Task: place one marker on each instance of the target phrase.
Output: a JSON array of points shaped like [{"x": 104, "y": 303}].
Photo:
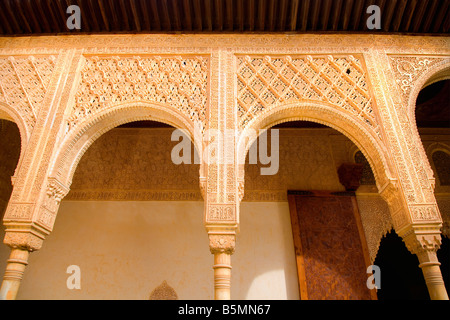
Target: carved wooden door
[{"x": 330, "y": 246}]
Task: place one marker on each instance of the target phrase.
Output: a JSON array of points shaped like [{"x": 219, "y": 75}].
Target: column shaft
[
  {"x": 433, "y": 279},
  {"x": 222, "y": 276},
  {"x": 15, "y": 268}
]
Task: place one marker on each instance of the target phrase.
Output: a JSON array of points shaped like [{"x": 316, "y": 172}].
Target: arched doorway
[
  {"x": 132, "y": 220},
  {"x": 310, "y": 155}
]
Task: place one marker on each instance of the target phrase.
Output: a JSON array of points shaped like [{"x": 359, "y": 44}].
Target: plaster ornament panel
[
  {"x": 19, "y": 211},
  {"x": 264, "y": 81},
  {"x": 425, "y": 212},
  {"x": 376, "y": 221},
  {"x": 50, "y": 203},
  {"x": 24, "y": 81},
  {"x": 180, "y": 82},
  {"x": 407, "y": 69},
  {"x": 163, "y": 292},
  {"x": 221, "y": 213}
]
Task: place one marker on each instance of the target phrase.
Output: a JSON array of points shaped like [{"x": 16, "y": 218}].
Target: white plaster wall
[
  {"x": 264, "y": 265},
  {"x": 126, "y": 249}
]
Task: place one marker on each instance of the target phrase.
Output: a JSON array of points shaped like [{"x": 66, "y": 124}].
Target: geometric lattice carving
[
  {"x": 339, "y": 80},
  {"x": 24, "y": 82},
  {"x": 163, "y": 292},
  {"x": 180, "y": 82},
  {"x": 441, "y": 162}
]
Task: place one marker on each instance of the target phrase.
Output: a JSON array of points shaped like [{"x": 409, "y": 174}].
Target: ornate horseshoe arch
[
  {"x": 80, "y": 138},
  {"x": 328, "y": 115}
]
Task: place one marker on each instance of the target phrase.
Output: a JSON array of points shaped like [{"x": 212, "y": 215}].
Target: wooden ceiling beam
[
  {"x": 38, "y": 8},
  {"x": 93, "y": 16},
  {"x": 326, "y": 11},
  {"x": 430, "y": 15},
  {"x": 187, "y": 14},
  {"x": 240, "y": 15},
  {"x": 85, "y": 21},
  {"x": 98, "y": 16},
  {"x": 386, "y": 21},
  {"x": 282, "y": 14},
  {"x": 304, "y": 15},
  {"x": 272, "y": 13},
  {"x": 399, "y": 15},
  {"x": 12, "y": 17},
  {"x": 418, "y": 15},
  {"x": 336, "y": 17},
  {"x": 408, "y": 15},
  {"x": 208, "y": 16},
  {"x": 6, "y": 26},
  {"x": 156, "y": 18},
  {"x": 166, "y": 21},
  {"x": 147, "y": 26},
  {"x": 293, "y": 16},
  {"x": 446, "y": 24},
  {"x": 134, "y": 13},
  {"x": 348, "y": 9},
  {"x": 218, "y": 6},
  {"x": 198, "y": 15},
  {"x": 61, "y": 15},
  {"x": 125, "y": 19},
  {"x": 229, "y": 15},
  {"x": 251, "y": 15},
  {"x": 113, "y": 13},
  {"x": 261, "y": 15},
  {"x": 104, "y": 14},
  {"x": 438, "y": 22},
  {"x": 176, "y": 20},
  {"x": 358, "y": 10},
  {"x": 315, "y": 14}
]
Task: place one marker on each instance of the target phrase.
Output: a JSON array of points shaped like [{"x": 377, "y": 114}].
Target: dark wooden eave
[{"x": 48, "y": 17}]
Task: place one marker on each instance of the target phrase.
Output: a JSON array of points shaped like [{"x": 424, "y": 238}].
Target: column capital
[
  {"x": 222, "y": 242},
  {"x": 423, "y": 239},
  {"x": 26, "y": 237}
]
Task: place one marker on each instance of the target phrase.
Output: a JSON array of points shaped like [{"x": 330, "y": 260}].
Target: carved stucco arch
[
  {"x": 331, "y": 116},
  {"x": 10, "y": 114},
  {"x": 440, "y": 71},
  {"x": 79, "y": 139}
]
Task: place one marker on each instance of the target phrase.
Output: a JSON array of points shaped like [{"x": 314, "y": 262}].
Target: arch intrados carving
[
  {"x": 326, "y": 114},
  {"x": 77, "y": 142},
  {"x": 8, "y": 113}
]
